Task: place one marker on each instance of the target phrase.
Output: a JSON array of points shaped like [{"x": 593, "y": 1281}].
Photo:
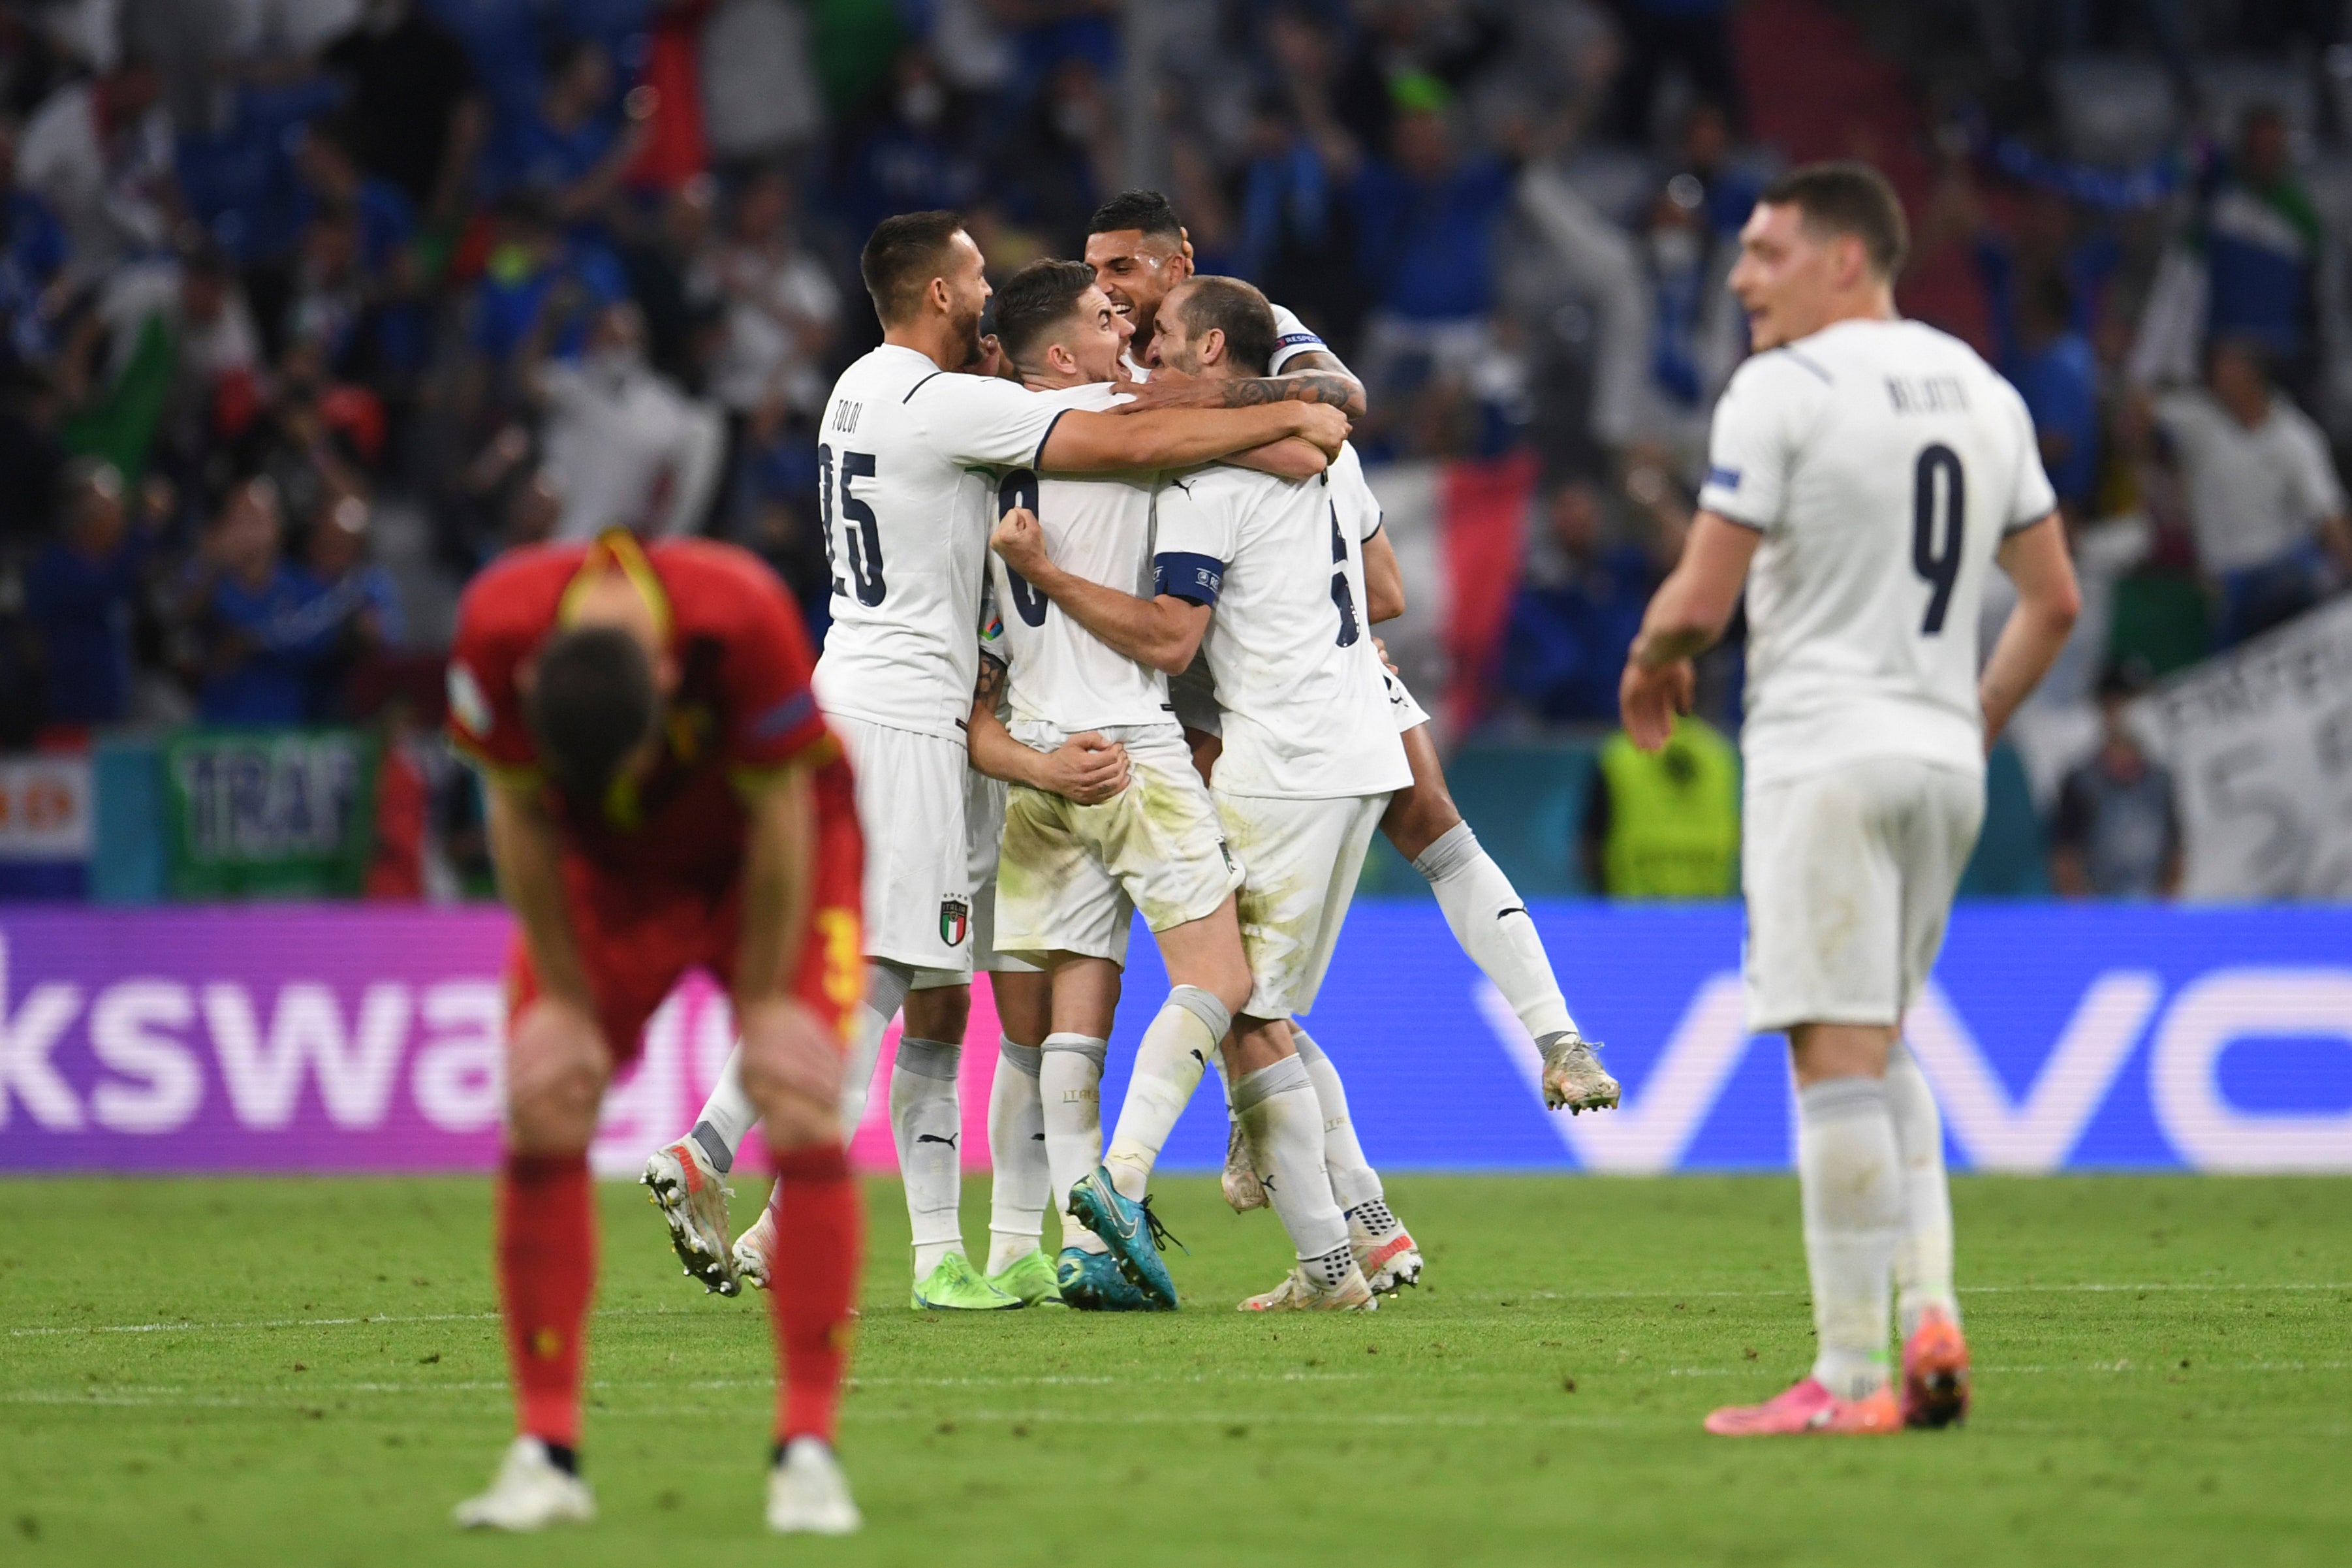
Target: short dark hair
[
  {"x": 1848, "y": 197},
  {"x": 1146, "y": 210},
  {"x": 901, "y": 258},
  {"x": 1241, "y": 312},
  {"x": 1036, "y": 300},
  {"x": 591, "y": 703}
]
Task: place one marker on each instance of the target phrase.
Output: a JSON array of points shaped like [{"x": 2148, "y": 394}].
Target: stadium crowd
[{"x": 310, "y": 308}]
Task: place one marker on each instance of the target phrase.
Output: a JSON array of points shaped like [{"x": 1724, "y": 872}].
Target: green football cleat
[
  {"x": 1131, "y": 1231},
  {"x": 1030, "y": 1278},
  {"x": 1091, "y": 1283},
  {"x": 955, "y": 1286}
]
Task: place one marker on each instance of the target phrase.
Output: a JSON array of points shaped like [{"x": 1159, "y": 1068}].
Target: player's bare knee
[
  {"x": 785, "y": 1073},
  {"x": 1419, "y": 816},
  {"x": 793, "y": 1120},
  {"x": 938, "y": 1014},
  {"x": 1257, "y": 1043},
  {"x": 552, "y": 1104}
]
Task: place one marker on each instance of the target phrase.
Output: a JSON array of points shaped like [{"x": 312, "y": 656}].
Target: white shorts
[
  {"x": 983, "y": 825},
  {"x": 1849, "y": 875},
  {"x": 1299, "y": 859},
  {"x": 1072, "y": 875},
  {"x": 1409, "y": 714},
  {"x": 919, "y": 889}
]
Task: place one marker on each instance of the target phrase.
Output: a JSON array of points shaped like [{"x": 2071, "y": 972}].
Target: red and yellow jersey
[{"x": 743, "y": 704}]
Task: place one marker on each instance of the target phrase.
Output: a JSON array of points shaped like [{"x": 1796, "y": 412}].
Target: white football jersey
[
  {"x": 1305, "y": 712},
  {"x": 1097, "y": 526},
  {"x": 906, "y": 466},
  {"x": 1883, "y": 462},
  {"x": 1359, "y": 508}
]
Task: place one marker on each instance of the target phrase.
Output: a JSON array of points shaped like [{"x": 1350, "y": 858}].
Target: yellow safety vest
[{"x": 1674, "y": 817}]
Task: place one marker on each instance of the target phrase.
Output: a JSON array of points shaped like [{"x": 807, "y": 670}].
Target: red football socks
[
  {"x": 813, "y": 1285},
  {"x": 547, "y": 1272}
]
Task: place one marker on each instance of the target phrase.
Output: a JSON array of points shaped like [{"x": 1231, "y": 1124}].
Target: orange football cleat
[{"x": 1934, "y": 1373}]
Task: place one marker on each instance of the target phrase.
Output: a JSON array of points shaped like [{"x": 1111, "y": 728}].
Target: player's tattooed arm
[
  {"x": 1086, "y": 768},
  {"x": 1162, "y": 632},
  {"x": 1287, "y": 459},
  {"x": 1326, "y": 382}
]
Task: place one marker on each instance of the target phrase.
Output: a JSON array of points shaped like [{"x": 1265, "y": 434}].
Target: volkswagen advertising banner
[{"x": 350, "y": 1038}]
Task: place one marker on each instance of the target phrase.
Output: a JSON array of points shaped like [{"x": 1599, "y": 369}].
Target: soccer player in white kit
[
  {"x": 1865, "y": 475},
  {"x": 906, "y": 500},
  {"x": 1139, "y": 252},
  {"x": 1072, "y": 875},
  {"x": 1258, "y": 573}
]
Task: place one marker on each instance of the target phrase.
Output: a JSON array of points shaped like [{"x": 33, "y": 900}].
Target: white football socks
[
  {"x": 1923, "y": 1258},
  {"x": 1490, "y": 921},
  {"x": 1853, "y": 1217},
  {"x": 1353, "y": 1180},
  {"x": 887, "y": 985},
  {"x": 1019, "y": 1182},
  {"x": 1175, "y": 1051},
  {"x": 1277, "y": 1108},
  {"x": 1069, "y": 1084},
  {"x": 728, "y": 1116},
  {"x": 927, "y": 1124}
]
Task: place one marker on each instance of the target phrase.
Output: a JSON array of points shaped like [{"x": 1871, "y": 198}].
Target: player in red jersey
[{"x": 664, "y": 796}]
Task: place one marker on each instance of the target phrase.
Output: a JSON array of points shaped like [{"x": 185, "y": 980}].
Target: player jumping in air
[
  {"x": 1865, "y": 474},
  {"x": 664, "y": 796},
  {"x": 906, "y": 454}
]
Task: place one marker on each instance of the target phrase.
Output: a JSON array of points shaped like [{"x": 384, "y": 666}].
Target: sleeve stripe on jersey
[
  {"x": 1037, "y": 461},
  {"x": 920, "y": 385},
  {"x": 1827, "y": 380},
  {"x": 1298, "y": 341}
]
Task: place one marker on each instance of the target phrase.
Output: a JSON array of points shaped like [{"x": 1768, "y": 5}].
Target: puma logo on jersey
[{"x": 934, "y": 1138}]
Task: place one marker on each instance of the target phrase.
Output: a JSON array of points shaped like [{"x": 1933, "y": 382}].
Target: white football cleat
[
  {"x": 808, "y": 1494},
  {"x": 529, "y": 1492},
  {"x": 1243, "y": 1189},
  {"x": 1297, "y": 1293},
  {"x": 752, "y": 1247},
  {"x": 1573, "y": 1079},
  {"x": 692, "y": 1197},
  {"x": 1384, "y": 1249}
]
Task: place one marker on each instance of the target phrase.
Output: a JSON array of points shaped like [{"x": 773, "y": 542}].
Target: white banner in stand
[{"x": 2260, "y": 744}]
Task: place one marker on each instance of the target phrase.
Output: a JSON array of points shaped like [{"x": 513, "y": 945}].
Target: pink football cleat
[{"x": 1807, "y": 1408}]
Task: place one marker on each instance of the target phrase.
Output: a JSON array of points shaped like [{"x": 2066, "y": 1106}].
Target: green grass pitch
[{"x": 2165, "y": 1376}]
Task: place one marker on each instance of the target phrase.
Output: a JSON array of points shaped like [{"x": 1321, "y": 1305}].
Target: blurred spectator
[
  {"x": 1427, "y": 220},
  {"x": 2117, "y": 831},
  {"x": 914, "y": 146},
  {"x": 1575, "y": 614},
  {"x": 760, "y": 99},
  {"x": 82, "y": 592},
  {"x": 2268, "y": 513},
  {"x": 2052, "y": 364},
  {"x": 570, "y": 153},
  {"x": 415, "y": 118},
  {"x": 1061, "y": 158},
  {"x": 1297, "y": 228},
  {"x": 260, "y": 647},
  {"x": 1691, "y": 36},
  {"x": 782, "y": 307},
  {"x": 625, "y": 448},
  {"x": 535, "y": 277},
  {"x": 1665, "y": 824},
  {"x": 663, "y": 254},
  {"x": 1727, "y": 191},
  {"x": 2263, "y": 239},
  {"x": 32, "y": 257},
  {"x": 99, "y": 152}
]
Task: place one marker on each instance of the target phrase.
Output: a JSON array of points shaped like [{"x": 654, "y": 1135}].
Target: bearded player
[
  {"x": 1865, "y": 475},
  {"x": 662, "y": 796},
  {"x": 1139, "y": 253}
]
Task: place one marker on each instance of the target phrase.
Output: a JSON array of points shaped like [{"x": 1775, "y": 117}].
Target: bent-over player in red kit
[{"x": 664, "y": 796}]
